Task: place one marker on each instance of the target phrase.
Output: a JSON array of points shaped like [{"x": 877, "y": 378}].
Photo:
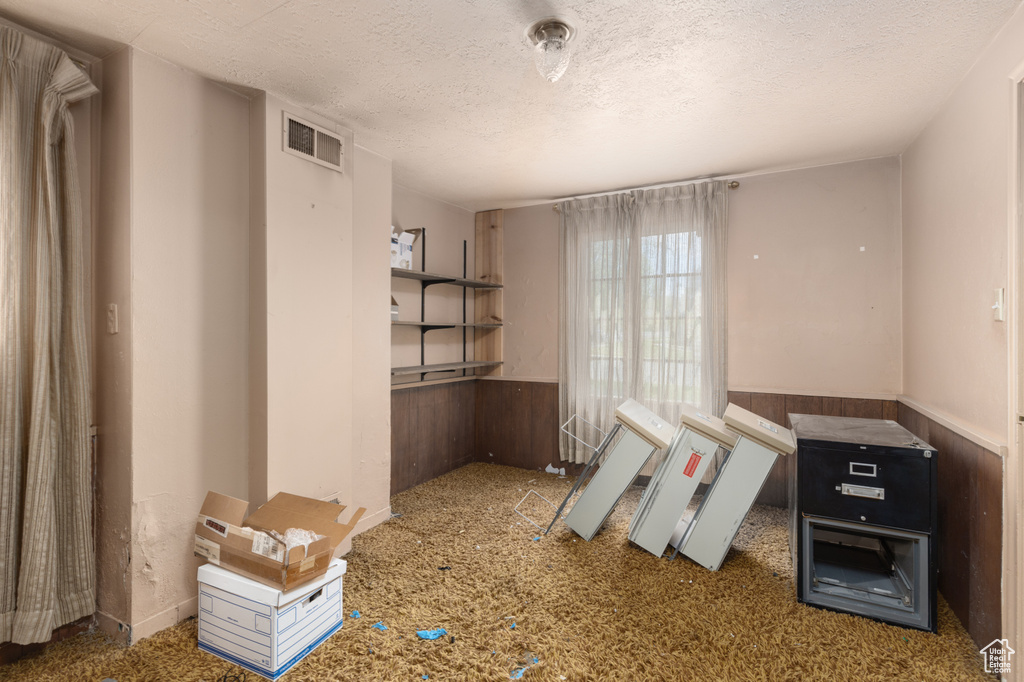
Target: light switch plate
[{"x": 998, "y": 313}]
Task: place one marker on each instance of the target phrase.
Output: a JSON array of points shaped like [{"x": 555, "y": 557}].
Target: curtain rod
[{"x": 732, "y": 184}]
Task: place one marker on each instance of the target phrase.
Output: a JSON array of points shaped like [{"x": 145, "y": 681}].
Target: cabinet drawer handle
[
  {"x": 861, "y": 469},
  {"x": 864, "y": 491}
]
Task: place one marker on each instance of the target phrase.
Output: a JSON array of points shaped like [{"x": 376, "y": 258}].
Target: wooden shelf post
[{"x": 487, "y": 345}]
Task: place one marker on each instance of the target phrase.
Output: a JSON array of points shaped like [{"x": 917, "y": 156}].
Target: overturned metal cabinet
[
  {"x": 706, "y": 537},
  {"x": 643, "y": 433},
  {"x": 675, "y": 481}
]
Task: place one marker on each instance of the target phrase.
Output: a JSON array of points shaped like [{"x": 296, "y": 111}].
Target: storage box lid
[
  {"x": 229, "y": 581},
  {"x": 645, "y": 423},
  {"x": 760, "y": 430},
  {"x": 285, "y": 511},
  {"x": 707, "y": 425}
]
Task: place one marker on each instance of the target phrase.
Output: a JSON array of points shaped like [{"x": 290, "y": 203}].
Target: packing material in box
[
  {"x": 401, "y": 248},
  {"x": 261, "y": 628},
  {"x": 227, "y": 538}
]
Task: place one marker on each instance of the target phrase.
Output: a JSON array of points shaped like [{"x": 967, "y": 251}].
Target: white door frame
[{"x": 1013, "y": 465}]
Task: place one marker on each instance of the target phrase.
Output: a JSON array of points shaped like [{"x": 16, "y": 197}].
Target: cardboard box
[
  {"x": 401, "y": 248},
  {"x": 394, "y": 309},
  {"x": 261, "y": 628},
  {"x": 225, "y": 537}
]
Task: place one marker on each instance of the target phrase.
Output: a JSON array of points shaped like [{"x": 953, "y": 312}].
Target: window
[
  {"x": 642, "y": 288},
  {"x": 667, "y": 323}
]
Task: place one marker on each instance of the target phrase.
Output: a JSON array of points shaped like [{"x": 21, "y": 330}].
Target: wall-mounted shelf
[
  {"x": 427, "y": 326},
  {"x": 487, "y": 286},
  {"x": 443, "y": 367},
  {"x": 429, "y": 278}
]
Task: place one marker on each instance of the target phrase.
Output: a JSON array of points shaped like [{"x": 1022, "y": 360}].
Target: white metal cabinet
[
  {"x": 643, "y": 433},
  {"x": 707, "y": 537},
  {"x": 676, "y": 478}
]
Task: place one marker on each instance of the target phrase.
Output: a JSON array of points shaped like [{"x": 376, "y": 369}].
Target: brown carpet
[{"x": 561, "y": 608}]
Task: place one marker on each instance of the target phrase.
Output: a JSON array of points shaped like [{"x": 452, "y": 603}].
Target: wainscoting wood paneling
[
  {"x": 970, "y": 525},
  {"x": 740, "y": 399},
  {"x": 803, "y": 404},
  {"x": 517, "y": 423},
  {"x": 955, "y": 484},
  {"x": 862, "y": 408},
  {"x": 770, "y": 406},
  {"x": 432, "y": 432},
  {"x": 402, "y": 430},
  {"x": 986, "y": 547},
  {"x": 830, "y": 407},
  {"x": 438, "y": 428}
]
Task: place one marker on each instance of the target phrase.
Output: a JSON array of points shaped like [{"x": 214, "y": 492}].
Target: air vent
[{"x": 313, "y": 143}]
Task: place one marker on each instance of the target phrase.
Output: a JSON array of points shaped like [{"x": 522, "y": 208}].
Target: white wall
[
  {"x": 447, "y": 226},
  {"x": 258, "y": 402},
  {"x": 956, "y": 215},
  {"x": 189, "y": 260},
  {"x": 813, "y": 313},
  {"x": 370, "y": 331},
  {"x": 957, "y": 221},
  {"x": 112, "y": 411},
  {"x": 320, "y": 424},
  {"x": 172, "y": 250},
  {"x": 308, "y": 317}
]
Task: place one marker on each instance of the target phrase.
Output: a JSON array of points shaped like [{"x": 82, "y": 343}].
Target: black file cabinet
[{"x": 863, "y": 519}]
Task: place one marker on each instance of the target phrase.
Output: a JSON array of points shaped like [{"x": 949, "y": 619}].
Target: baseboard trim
[
  {"x": 365, "y": 523},
  {"x": 165, "y": 619},
  {"x": 371, "y": 520},
  {"x": 117, "y": 630}
]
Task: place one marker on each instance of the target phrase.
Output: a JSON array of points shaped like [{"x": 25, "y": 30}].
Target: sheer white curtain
[
  {"x": 47, "y": 564},
  {"x": 642, "y": 287}
]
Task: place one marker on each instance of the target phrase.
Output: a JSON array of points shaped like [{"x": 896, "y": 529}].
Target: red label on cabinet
[{"x": 691, "y": 466}]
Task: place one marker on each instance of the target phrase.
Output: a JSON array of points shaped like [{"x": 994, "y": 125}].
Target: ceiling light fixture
[{"x": 551, "y": 52}]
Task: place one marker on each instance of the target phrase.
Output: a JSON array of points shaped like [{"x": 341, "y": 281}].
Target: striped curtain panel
[
  {"x": 642, "y": 306},
  {"x": 47, "y": 565}
]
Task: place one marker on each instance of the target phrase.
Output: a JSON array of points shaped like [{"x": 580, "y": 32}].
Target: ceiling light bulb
[
  {"x": 551, "y": 50},
  {"x": 552, "y": 58}
]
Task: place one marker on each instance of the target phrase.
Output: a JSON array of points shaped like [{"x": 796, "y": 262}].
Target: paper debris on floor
[
  {"x": 525, "y": 662},
  {"x": 431, "y": 634}
]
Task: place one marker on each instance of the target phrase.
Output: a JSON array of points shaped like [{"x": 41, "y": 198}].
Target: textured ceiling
[{"x": 656, "y": 91}]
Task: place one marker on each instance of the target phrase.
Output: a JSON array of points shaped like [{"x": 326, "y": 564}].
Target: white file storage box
[{"x": 261, "y": 628}]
